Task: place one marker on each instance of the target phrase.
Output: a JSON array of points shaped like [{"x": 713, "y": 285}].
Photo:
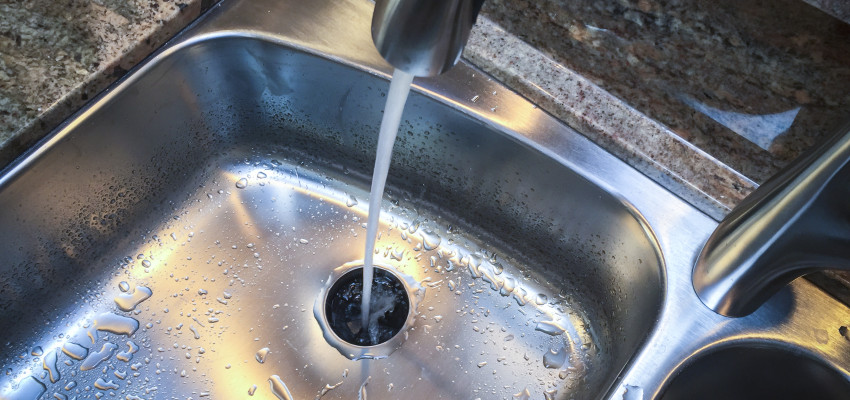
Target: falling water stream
[{"x": 399, "y": 88}]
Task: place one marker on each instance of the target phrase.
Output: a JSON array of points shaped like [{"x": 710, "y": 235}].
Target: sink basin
[
  {"x": 174, "y": 238},
  {"x": 207, "y": 198},
  {"x": 757, "y": 372}
]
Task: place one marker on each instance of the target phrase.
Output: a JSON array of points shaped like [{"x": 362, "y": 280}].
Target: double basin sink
[{"x": 170, "y": 240}]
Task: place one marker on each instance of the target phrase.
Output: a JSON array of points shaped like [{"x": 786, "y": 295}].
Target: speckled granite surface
[
  {"x": 624, "y": 131},
  {"x": 753, "y": 83},
  {"x": 55, "y": 55}
]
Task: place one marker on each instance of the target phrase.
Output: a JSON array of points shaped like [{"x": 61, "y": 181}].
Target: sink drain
[
  {"x": 392, "y": 309},
  {"x": 389, "y": 308}
]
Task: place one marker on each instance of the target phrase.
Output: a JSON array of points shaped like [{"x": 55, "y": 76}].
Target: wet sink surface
[
  {"x": 228, "y": 179},
  {"x": 172, "y": 239}
]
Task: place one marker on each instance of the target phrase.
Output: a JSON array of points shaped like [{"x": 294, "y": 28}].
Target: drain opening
[{"x": 389, "y": 307}]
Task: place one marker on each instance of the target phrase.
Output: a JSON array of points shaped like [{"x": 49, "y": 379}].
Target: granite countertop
[
  {"x": 751, "y": 83},
  {"x": 707, "y": 97},
  {"x": 56, "y": 55}
]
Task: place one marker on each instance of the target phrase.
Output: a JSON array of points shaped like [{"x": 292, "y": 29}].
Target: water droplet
[
  {"x": 261, "y": 355},
  {"x": 102, "y": 384},
  {"x": 127, "y": 355},
  {"x": 253, "y": 388},
  {"x": 227, "y": 295},
  {"x": 146, "y": 263},
  {"x": 328, "y": 387},
  {"x": 116, "y": 324},
  {"x": 549, "y": 328},
  {"x": 75, "y": 351},
  {"x": 279, "y": 388},
  {"x": 555, "y": 358},
  {"x": 124, "y": 286},
  {"x": 430, "y": 240},
  {"x": 821, "y": 336},
  {"x": 37, "y": 351},
  {"x": 523, "y": 395},
  {"x": 98, "y": 357},
  {"x": 261, "y": 175},
  {"x": 508, "y": 286},
  {"x": 633, "y": 393},
  {"x": 129, "y": 301},
  {"x": 475, "y": 98},
  {"x": 541, "y": 299},
  {"x": 49, "y": 365},
  {"x": 351, "y": 201},
  {"x": 550, "y": 394},
  {"x": 242, "y": 183}
]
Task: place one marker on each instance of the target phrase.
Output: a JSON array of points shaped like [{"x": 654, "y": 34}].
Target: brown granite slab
[
  {"x": 56, "y": 55},
  {"x": 755, "y": 65},
  {"x": 607, "y": 120}
]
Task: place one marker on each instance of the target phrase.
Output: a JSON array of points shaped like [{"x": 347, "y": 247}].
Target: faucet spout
[
  {"x": 797, "y": 222},
  {"x": 423, "y": 37}
]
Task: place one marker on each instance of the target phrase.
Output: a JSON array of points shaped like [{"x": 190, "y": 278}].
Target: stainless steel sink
[
  {"x": 757, "y": 373},
  {"x": 172, "y": 238}
]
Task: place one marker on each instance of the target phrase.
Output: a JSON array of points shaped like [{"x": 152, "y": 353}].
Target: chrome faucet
[
  {"x": 423, "y": 37},
  {"x": 797, "y": 222}
]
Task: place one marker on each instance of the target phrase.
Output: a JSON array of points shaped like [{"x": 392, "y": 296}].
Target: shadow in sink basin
[
  {"x": 757, "y": 373},
  {"x": 536, "y": 279}
]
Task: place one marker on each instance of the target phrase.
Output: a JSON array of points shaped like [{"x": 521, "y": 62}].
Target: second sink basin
[{"x": 757, "y": 372}]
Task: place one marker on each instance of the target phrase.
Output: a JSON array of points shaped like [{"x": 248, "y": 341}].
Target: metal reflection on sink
[
  {"x": 213, "y": 192},
  {"x": 213, "y": 189}
]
